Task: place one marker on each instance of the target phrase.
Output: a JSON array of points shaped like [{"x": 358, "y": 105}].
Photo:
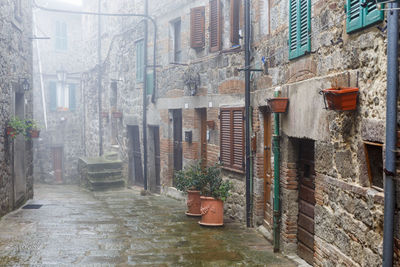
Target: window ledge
[{"x": 233, "y": 170}]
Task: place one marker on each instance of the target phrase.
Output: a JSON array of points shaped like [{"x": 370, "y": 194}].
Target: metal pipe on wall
[
  {"x": 276, "y": 147},
  {"x": 391, "y": 127},
  {"x": 99, "y": 78},
  {"x": 146, "y": 40},
  {"x": 247, "y": 108}
]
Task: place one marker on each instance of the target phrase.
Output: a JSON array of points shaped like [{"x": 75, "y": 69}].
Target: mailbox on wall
[{"x": 188, "y": 137}]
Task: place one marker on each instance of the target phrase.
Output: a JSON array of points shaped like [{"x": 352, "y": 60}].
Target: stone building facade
[
  {"x": 58, "y": 66},
  {"x": 16, "y": 156},
  {"x": 331, "y": 181}
]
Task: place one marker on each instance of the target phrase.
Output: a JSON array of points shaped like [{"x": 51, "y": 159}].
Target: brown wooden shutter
[
  {"x": 225, "y": 137},
  {"x": 215, "y": 25},
  {"x": 232, "y": 138},
  {"x": 235, "y": 19},
  {"x": 197, "y": 25}
]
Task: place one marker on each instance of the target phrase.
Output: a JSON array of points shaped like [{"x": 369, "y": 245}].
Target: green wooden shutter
[
  {"x": 150, "y": 83},
  {"x": 304, "y": 27},
  {"x": 139, "y": 61},
  {"x": 354, "y": 15},
  {"x": 53, "y": 96},
  {"x": 72, "y": 97},
  {"x": 299, "y": 28},
  {"x": 359, "y": 17},
  {"x": 372, "y": 14},
  {"x": 293, "y": 29}
]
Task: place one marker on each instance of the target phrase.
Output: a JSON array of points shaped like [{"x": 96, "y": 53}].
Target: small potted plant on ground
[
  {"x": 191, "y": 180},
  {"x": 215, "y": 193}
]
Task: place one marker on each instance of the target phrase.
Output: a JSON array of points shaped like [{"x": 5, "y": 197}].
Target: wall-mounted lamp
[{"x": 23, "y": 82}]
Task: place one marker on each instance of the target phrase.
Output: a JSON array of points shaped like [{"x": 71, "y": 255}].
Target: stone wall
[
  {"x": 349, "y": 211},
  {"x": 64, "y": 125},
  {"x": 15, "y": 66}
]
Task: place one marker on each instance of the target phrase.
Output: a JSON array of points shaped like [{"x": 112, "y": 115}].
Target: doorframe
[
  {"x": 267, "y": 166},
  {"x": 52, "y": 149},
  {"x": 131, "y": 156}
]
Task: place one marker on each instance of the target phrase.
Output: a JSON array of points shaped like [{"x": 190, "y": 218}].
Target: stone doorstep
[{"x": 294, "y": 257}]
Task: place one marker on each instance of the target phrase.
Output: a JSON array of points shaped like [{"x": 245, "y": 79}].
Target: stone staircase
[{"x": 102, "y": 173}]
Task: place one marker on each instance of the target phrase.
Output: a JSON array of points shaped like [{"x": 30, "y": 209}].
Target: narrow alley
[{"x": 77, "y": 227}]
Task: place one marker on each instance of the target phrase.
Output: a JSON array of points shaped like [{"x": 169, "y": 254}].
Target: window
[
  {"x": 215, "y": 25},
  {"x": 299, "y": 28},
  {"x": 374, "y": 159},
  {"x": 61, "y": 36},
  {"x": 140, "y": 61},
  {"x": 232, "y": 138},
  {"x": 177, "y": 41},
  {"x": 235, "y": 21},
  {"x": 361, "y": 15},
  {"x": 62, "y": 97},
  {"x": 197, "y": 25},
  {"x": 150, "y": 83}
]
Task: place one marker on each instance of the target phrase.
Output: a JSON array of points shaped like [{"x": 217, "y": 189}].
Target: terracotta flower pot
[
  {"x": 341, "y": 98},
  {"x": 193, "y": 203},
  {"x": 10, "y": 130},
  {"x": 212, "y": 211},
  {"x": 278, "y": 104},
  {"x": 34, "y": 133}
]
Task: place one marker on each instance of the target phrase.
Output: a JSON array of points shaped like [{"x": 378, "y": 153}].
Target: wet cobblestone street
[{"x": 76, "y": 227}]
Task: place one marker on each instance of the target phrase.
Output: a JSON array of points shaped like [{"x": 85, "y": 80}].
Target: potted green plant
[
  {"x": 14, "y": 127},
  {"x": 214, "y": 193},
  {"x": 32, "y": 129},
  {"x": 191, "y": 180}
]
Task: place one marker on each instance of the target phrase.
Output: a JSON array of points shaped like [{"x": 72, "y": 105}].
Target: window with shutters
[
  {"x": 140, "y": 61},
  {"x": 235, "y": 21},
  {"x": 177, "y": 41},
  {"x": 215, "y": 25},
  {"x": 150, "y": 83},
  {"x": 62, "y": 96},
  {"x": 361, "y": 15},
  {"x": 61, "y": 40},
  {"x": 299, "y": 28},
  {"x": 197, "y": 26},
  {"x": 232, "y": 138}
]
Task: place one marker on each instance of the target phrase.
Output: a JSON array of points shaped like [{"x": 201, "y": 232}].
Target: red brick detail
[
  {"x": 232, "y": 87},
  {"x": 191, "y": 151},
  {"x": 175, "y": 93},
  {"x": 212, "y": 154},
  {"x": 166, "y": 163},
  {"x": 259, "y": 165},
  {"x": 289, "y": 176}
]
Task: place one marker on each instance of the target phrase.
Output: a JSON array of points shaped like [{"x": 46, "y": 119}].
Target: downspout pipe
[
  {"x": 391, "y": 127},
  {"x": 247, "y": 108},
  {"x": 146, "y": 40},
  {"x": 99, "y": 78},
  {"x": 276, "y": 139}
]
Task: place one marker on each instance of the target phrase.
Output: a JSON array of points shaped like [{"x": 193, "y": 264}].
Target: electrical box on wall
[{"x": 188, "y": 137}]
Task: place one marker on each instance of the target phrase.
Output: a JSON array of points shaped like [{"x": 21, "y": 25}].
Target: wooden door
[
  {"x": 58, "y": 164},
  {"x": 156, "y": 139},
  {"x": 305, "y": 230},
  {"x": 177, "y": 132},
  {"x": 135, "y": 161},
  {"x": 267, "y": 167},
  {"x": 203, "y": 136}
]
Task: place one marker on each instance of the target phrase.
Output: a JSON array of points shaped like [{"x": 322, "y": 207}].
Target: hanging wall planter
[
  {"x": 34, "y": 133},
  {"x": 278, "y": 104},
  {"x": 340, "y": 98}
]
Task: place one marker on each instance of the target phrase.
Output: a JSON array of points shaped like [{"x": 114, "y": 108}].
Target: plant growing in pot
[
  {"x": 15, "y": 126},
  {"x": 191, "y": 180},
  {"x": 215, "y": 193},
  {"x": 32, "y": 129}
]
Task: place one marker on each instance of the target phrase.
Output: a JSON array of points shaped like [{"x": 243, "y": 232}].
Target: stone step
[
  {"x": 104, "y": 174},
  {"x": 105, "y": 179},
  {"x": 104, "y": 166},
  {"x": 103, "y": 186}
]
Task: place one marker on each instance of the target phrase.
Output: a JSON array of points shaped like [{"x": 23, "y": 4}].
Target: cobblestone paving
[{"x": 76, "y": 227}]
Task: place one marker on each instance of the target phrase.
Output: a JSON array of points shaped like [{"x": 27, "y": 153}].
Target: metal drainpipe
[
  {"x": 247, "y": 107},
  {"x": 391, "y": 127},
  {"x": 99, "y": 89},
  {"x": 277, "y": 155},
  {"x": 146, "y": 12}
]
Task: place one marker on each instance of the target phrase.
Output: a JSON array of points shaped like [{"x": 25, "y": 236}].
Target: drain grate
[{"x": 32, "y": 207}]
